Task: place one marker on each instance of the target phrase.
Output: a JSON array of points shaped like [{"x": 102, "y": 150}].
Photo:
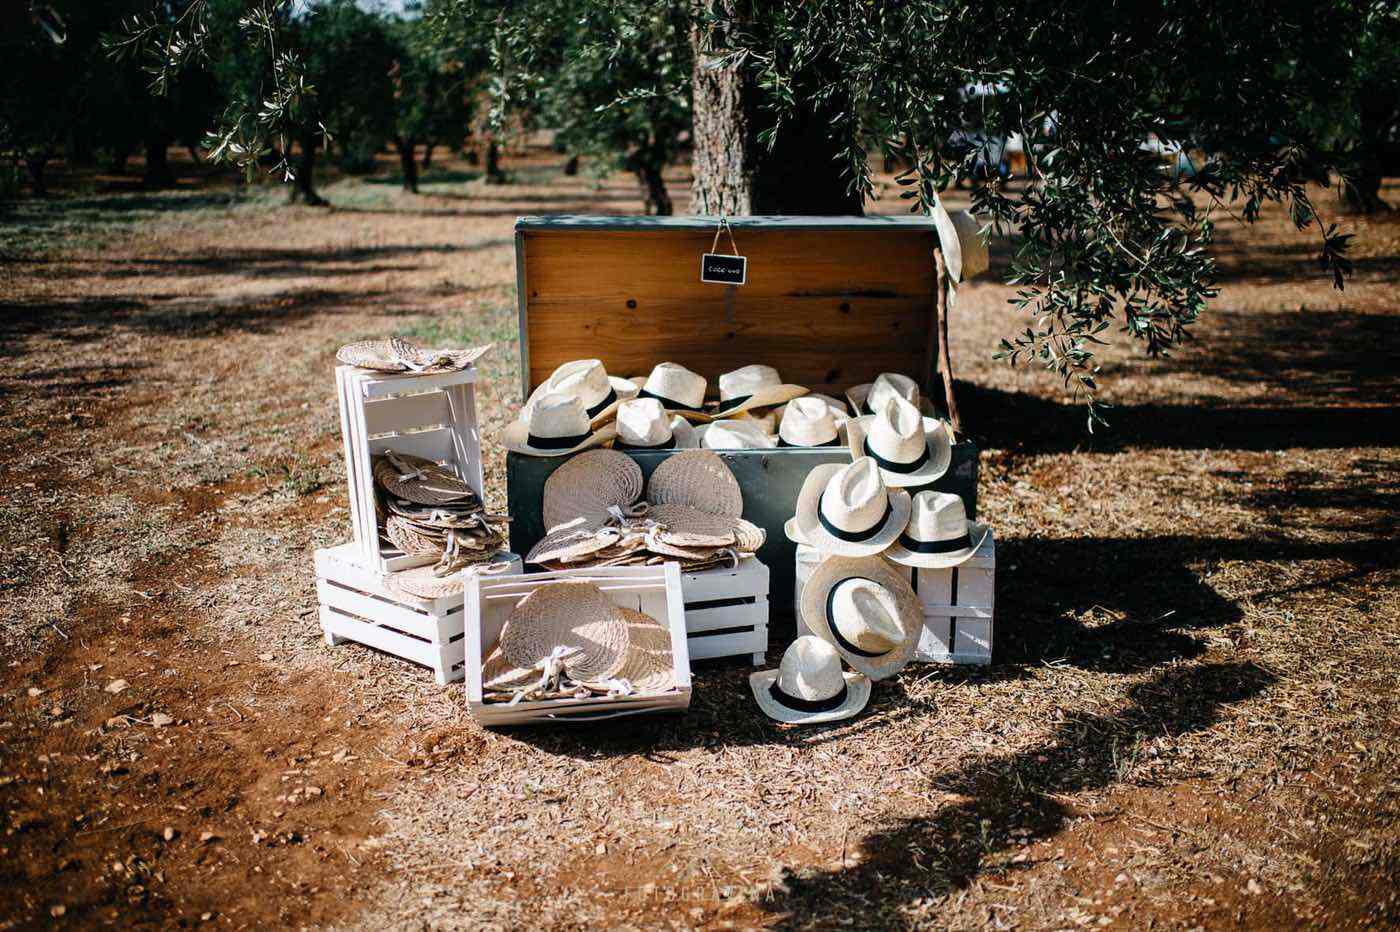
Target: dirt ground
[{"x": 1191, "y": 720}]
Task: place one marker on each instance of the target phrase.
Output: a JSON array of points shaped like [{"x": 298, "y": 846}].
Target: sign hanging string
[{"x": 724, "y": 227}]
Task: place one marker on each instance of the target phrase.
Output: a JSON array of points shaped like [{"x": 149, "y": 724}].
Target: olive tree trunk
[{"x": 407, "y": 163}]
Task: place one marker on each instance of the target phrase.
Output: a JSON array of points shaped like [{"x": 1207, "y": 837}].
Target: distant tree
[
  {"x": 431, "y": 103},
  {"x": 42, "y": 96},
  {"x": 1366, "y": 119}
]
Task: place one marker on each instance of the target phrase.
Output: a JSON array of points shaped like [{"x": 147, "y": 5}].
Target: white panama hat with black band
[
  {"x": 587, "y": 380},
  {"x": 912, "y": 450},
  {"x": 939, "y": 534},
  {"x": 677, "y": 388},
  {"x": 848, "y": 510},
  {"x": 872, "y": 397},
  {"x": 750, "y": 387},
  {"x": 867, "y": 610},
  {"x": 643, "y": 424},
  {"x": 558, "y": 425},
  {"x": 809, "y": 685}
]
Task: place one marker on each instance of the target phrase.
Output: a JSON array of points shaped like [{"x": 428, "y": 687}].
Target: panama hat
[
  {"x": 867, "y": 610},
  {"x": 794, "y": 533},
  {"x": 698, "y": 478},
  {"x": 939, "y": 533},
  {"x": 734, "y": 434},
  {"x": 807, "y": 422},
  {"x": 911, "y": 449},
  {"x": 839, "y": 412},
  {"x": 643, "y": 424},
  {"x": 574, "y": 615},
  {"x": 396, "y": 355},
  {"x": 588, "y": 485},
  {"x": 677, "y": 388},
  {"x": 752, "y": 387},
  {"x": 873, "y": 396},
  {"x": 809, "y": 685},
  {"x": 965, "y": 252},
  {"x": 557, "y": 426},
  {"x": 848, "y": 510},
  {"x": 587, "y": 380}
]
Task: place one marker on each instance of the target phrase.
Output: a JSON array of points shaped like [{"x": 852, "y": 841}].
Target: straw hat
[
  {"x": 677, "y": 388},
  {"x": 643, "y": 424},
  {"x": 911, "y": 449},
  {"x": 848, "y": 510},
  {"x": 873, "y": 396},
  {"x": 867, "y": 610},
  {"x": 752, "y": 387},
  {"x": 964, "y": 250},
  {"x": 421, "y": 480},
  {"x": 768, "y": 420},
  {"x": 839, "y": 412},
  {"x": 939, "y": 533},
  {"x": 736, "y": 435},
  {"x": 697, "y": 478},
  {"x": 809, "y": 686},
  {"x": 589, "y": 382},
  {"x": 588, "y": 485},
  {"x": 794, "y": 533},
  {"x": 807, "y": 422},
  {"x": 577, "y": 616},
  {"x": 397, "y": 355},
  {"x": 558, "y": 425}
]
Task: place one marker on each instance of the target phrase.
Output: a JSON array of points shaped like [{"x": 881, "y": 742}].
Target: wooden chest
[{"x": 830, "y": 302}]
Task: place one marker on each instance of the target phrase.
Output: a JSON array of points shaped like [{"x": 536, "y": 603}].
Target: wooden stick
[{"x": 945, "y": 363}]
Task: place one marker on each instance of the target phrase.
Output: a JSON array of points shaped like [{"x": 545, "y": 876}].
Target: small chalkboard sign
[{"x": 720, "y": 269}]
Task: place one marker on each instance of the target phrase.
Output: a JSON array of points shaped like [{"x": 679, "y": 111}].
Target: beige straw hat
[
  {"x": 873, "y": 396},
  {"x": 421, "y": 480},
  {"x": 849, "y": 511},
  {"x": 752, "y": 387},
  {"x": 558, "y": 425},
  {"x": 576, "y": 616},
  {"x": 587, "y": 485},
  {"x": 698, "y": 478},
  {"x": 939, "y": 533},
  {"x": 589, "y": 382},
  {"x": 677, "y": 388},
  {"x": 912, "y": 450},
  {"x": 867, "y": 610},
  {"x": 794, "y": 533},
  {"x": 643, "y": 424},
  {"x": 965, "y": 252},
  {"x": 397, "y": 355},
  {"x": 807, "y": 422},
  {"x": 736, "y": 434},
  {"x": 809, "y": 686}
]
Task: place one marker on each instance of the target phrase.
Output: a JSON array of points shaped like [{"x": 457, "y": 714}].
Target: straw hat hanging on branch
[{"x": 961, "y": 254}]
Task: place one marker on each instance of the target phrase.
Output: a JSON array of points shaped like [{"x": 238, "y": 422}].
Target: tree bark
[
  {"x": 945, "y": 362},
  {"x": 157, "y": 173},
  {"x": 571, "y": 166},
  {"x": 1377, "y": 119},
  {"x": 407, "y": 163},
  {"x": 494, "y": 175},
  {"x": 734, "y": 173},
  {"x": 654, "y": 194},
  {"x": 428, "y": 148},
  {"x": 305, "y": 186}
]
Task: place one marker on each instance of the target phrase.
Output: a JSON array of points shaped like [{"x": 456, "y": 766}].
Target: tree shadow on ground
[
  {"x": 993, "y": 795},
  {"x": 1255, "y": 262}
]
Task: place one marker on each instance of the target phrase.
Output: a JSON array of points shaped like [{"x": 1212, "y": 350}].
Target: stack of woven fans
[
  {"x": 429, "y": 511},
  {"x": 568, "y": 639},
  {"x": 596, "y": 515},
  {"x": 396, "y": 355}
]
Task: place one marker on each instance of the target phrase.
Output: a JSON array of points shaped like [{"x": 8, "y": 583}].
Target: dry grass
[{"x": 1191, "y": 719}]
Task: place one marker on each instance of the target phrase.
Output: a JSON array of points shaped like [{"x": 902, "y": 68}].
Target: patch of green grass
[{"x": 494, "y": 325}]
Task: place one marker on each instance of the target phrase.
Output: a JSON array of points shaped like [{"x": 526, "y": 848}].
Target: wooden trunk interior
[{"x": 829, "y": 305}]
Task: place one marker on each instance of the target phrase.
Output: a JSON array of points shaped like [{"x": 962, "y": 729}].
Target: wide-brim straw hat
[
  {"x": 600, "y": 392},
  {"x": 937, "y": 452},
  {"x": 589, "y": 485},
  {"x": 939, "y": 534},
  {"x": 873, "y": 539},
  {"x": 809, "y": 687},
  {"x": 736, "y": 434},
  {"x": 907, "y": 614},
  {"x": 857, "y": 395},
  {"x": 698, "y": 478},
  {"x": 421, "y": 481},
  {"x": 965, "y": 253},
  {"x": 398, "y": 355},
  {"x": 643, "y": 424},
  {"x": 679, "y": 390},
  {"x": 808, "y": 422},
  {"x": 574, "y": 615},
  {"x": 749, "y": 388},
  {"x": 558, "y": 425}
]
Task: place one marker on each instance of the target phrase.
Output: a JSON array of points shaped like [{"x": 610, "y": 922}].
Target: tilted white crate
[
  {"x": 655, "y": 590},
  {"x": 432, "y": 416},
  {"x": 958, "y": 604},
  {"x": 358, "y": 605},
  {"x": 726, "y": 611}
]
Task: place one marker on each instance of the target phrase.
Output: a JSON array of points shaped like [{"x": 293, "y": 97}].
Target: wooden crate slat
[
  {"x": 437, "y": 445},
  {"x": 737, "y": 643},
  {"x": 388, "y": 641},
  {"x": 730, "y": 616},
  {"x": 407, "y": 412},
  {"x": 380, "y": 385},
  {"x": 377, "y": 610}
]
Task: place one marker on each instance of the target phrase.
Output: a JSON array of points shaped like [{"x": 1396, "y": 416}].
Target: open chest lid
[{"x": 830, "y": 302}]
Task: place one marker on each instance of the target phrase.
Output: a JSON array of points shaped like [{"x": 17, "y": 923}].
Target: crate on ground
[
  {"x": 655, "y": 590},
  {"x": 957, "y": 603},
  {"x": 427, "y": 415},
  {"x": 358, "y": 605},
  {"x": 726, "y": 611}
]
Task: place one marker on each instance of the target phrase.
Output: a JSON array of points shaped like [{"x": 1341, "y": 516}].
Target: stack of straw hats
[
  {"x": 569, "y": 639},
  {"x": 427, "y": 510},
  {"x": 597, "y": 515}
]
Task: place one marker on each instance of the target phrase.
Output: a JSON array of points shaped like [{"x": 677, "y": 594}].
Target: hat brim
[
  {"x": 704, "y": 429},
  {"x": 516, "y": 437},
  {"x": 794, "y": 533},
  {"x": 936, "y": 440},
  {"x": 763, "y": 398},
  {"x": 831, "y": 572},
  {"x": 856, "y": 395},
  {"x": 975, "y": 531},
  {"x": 622, "y": 388},
  {"x": 857, "y": 697},
  {"x": 810, "y": 526}
]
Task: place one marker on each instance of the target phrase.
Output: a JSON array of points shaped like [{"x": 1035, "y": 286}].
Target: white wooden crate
[
  {"x": 726, "y": 611},
  {"x": 655, "y": 590},
  {"x": 432, "y": 416},
  {"x": 358, "y": 605},
  {"x": 958, "y": 604}
]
